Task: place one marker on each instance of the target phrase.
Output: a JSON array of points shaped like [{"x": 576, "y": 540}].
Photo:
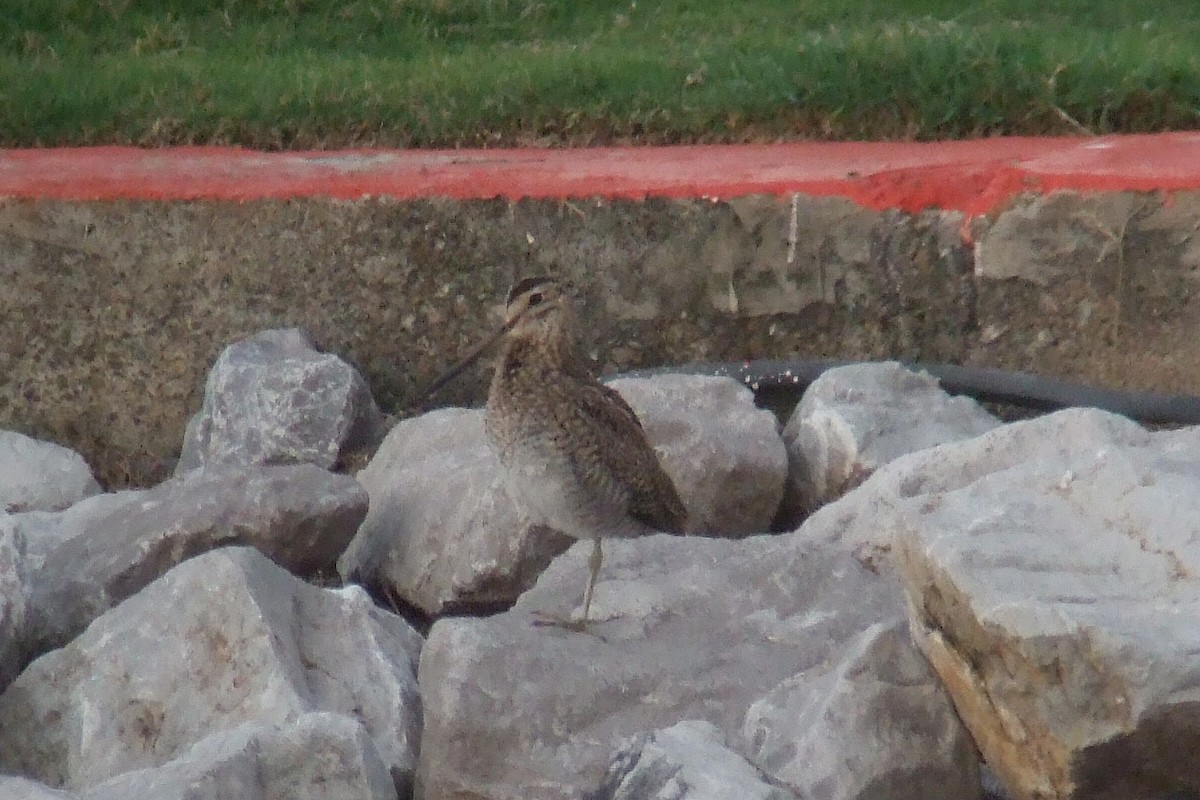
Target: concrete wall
[{"x": 113, "y": 311}]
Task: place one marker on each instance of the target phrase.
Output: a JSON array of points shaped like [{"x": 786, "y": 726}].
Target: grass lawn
[{"x": 311, "y": 73}]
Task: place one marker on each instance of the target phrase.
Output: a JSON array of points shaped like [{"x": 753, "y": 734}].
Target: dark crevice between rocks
[{"x": 1157, "y": 761}]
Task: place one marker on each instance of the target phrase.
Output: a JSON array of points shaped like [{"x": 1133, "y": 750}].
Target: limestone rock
[
  {"x": 724, "y": 454},
  {"x": 687, "y": 628},
  {"x": 442, "y": 531},
  {"x": 854, "y": 419},
  {"x": 319, "y": 755},
  {"x": 15, "y": 788},
  {"x": 274, "y": 399},
  {"x": 41, "y": 476},
  {"x": 223, "y": 639},
  {"x": 875, "y": 725},
  {"x": 299, "y": 515},
  {"x": 1052, "y": 572},
  {"x": 46, "y": 530},
  {"x": 687, "y": 761},
  {"x": 1061, "y": 233},
  {"x": 14, "y": 588}
]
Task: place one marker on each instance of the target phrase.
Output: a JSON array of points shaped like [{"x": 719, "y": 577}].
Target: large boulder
[
  {"x": 685, "y": 628},
  {"x": 873, "y": 725},
  {"x": 14, "y": 600},
  {"x": 91, "y": 557},
  {"x": 46, "y": 530},
  {"x": 1052, "y": 569},
  {"x": 687, "y": 761},
  {"x": 41, "y": 476},
  {"x": 317, "y": 756},
  {"x": 442, "y": 532},
  {"x": 223, "y": 639},
  {"x": 274, "y": 399},
  {"x": 724, "y": 454},
  {"x": 854, "y": 419},
  {"x": 13, "y": 787}
]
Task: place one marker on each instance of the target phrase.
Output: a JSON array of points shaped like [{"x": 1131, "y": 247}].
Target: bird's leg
[
  {"x": 594, "y": 562},
  {"x": 594, "y": 571}
]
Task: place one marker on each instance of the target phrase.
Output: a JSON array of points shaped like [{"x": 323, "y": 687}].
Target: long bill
[{"x": 466, "y": 361}]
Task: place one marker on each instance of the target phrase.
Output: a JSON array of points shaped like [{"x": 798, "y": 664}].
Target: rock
[
  {"x": 41, "y": 476},
  {"x": 992, "y": 788},
  {"x": 46, "y": 530},
  {"x": 854, "y": 419},
  {"x": 318, "y": 755},
  {"x": 14, "y": 788},
  {"x": 874, "y": 725},
  {"x": 441, "y": 531},
  {"x": 1052, "y": 569},
  {"x": 223, "y": 639},
  {"x": 299, "y": 515},
  {"x": 1058, "y": 234},
  {"x": 686, "y": 628},
  {"x": 274, "y": 399},
  {"x": 724, "y": 454},
  {"x": 14, "y": 588},
  {"x": 688, "y": 761}
]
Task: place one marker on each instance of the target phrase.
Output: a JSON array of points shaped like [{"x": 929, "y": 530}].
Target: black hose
[{"x": 1020, "y": 389}]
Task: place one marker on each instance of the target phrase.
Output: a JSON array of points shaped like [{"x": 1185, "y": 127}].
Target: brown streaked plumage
[{"x": 574, "y": 453}]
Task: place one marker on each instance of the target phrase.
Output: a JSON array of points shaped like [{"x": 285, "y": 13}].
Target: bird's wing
[{"x": 630, "y": 460}]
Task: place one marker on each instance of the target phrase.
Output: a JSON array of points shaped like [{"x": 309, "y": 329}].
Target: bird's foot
[{"x": 544, "y": 619}]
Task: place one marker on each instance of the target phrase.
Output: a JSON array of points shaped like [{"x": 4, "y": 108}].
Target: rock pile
[{"x": 966, "y": 599}]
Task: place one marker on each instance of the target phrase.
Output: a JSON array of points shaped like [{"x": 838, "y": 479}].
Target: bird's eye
[{"x": 535, "y": 298}]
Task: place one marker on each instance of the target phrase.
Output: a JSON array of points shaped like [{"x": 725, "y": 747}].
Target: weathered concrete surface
[{"x": 113, "y": 312}]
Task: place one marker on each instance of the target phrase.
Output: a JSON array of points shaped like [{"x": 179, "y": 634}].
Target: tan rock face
[{"x": 1052, "y": 570}]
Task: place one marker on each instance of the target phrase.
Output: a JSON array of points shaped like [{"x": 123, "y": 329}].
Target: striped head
[{"x": 539, "y": 308}]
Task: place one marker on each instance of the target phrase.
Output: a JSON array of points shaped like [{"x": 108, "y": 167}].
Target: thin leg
[
  {"x": 594, "y": 567},
  {"x": 578, "y": 625}
]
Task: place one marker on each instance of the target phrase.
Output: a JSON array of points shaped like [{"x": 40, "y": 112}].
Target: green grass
[{"x": 302, "y": 73}]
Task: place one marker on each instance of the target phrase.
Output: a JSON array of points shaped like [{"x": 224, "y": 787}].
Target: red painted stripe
[{"x": 969, "y": 176}]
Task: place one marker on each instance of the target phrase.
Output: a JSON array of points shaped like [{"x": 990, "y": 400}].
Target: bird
[{"x": 573, "y": 453}]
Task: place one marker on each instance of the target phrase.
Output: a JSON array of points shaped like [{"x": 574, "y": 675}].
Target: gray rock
[
  {"x": 854, "y": 419},
  {"x": 223, "y": 639},
  {"x": 686, "y": 628},
  {"x": 441, "y": 531},
  {"x": 274, "y": 399},
  {"x": 41, "y": 476},
  {"x": 15, "y": 788},
  {"x": 14, "y": 601},
  {"x": 875, "y": 725},
  {"x": 724, "y": 454},
  {"x": 46, "y": 530},
  {"x": 300, "y": 516},
  {"x": 1051, "y": 568},
  {"x": 317, "y": 756},
  {"x": 1060, "y": 233},
  {"x": 687, "y": 761}
]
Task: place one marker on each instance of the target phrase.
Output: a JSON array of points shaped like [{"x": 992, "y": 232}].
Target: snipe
[{"x": 574, "y": 454}]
